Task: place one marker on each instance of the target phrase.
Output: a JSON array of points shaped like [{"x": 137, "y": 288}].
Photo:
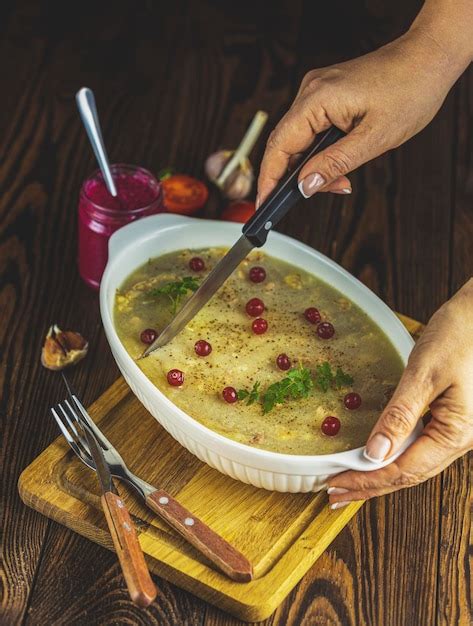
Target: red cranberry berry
[
  {"x": 254, "y": 307},
  {"x": 283, "y": 362},
  {"x": 197, "y": 264},
  {"x": 257, "y": 274},
  {"x": 230, "y": 395},
  {"x": 259, "y": 326},
  {"x": 148, "y": 335},
  {"x": 175, "y": 378},
  {"x": 202, "y": 348},
  {"x": 325, "y": 330},
  {"x": 312, "y": 315},
  {"x": 330, "y": 426},
  {"x": 352, "y": 401}
]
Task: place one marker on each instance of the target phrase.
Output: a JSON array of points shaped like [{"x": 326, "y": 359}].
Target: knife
[
  {"x": 135, "y": 571},
  {"x": 254, "y": 235},
  {"x": 212, "y": 545}
]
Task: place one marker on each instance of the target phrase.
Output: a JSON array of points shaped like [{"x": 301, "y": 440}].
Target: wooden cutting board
[{"x": 281, "y": 534}]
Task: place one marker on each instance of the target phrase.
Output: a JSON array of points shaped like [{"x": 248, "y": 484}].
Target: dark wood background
[{"x": 174, "y": 81}]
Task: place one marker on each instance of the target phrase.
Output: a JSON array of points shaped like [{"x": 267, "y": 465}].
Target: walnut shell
[{"x": 62, "y": 348}]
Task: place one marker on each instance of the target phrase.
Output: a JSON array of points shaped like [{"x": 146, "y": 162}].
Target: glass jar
[{"x": 101, "y": 214}]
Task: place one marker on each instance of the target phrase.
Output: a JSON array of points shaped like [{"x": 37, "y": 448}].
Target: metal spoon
[{"x": 88, "y": 111}]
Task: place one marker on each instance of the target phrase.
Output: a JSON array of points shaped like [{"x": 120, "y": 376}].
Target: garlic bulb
[
  {"x": 216, "y": 162},
  {"x": 237, "y": 185},
  {"x": 231, "y": 170}
]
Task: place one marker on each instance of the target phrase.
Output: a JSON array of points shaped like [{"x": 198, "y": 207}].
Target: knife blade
[
  {"x": 254, "y": 234},
  {"x": 209, "y": 286},
  {"x": 101, "y": 466}
]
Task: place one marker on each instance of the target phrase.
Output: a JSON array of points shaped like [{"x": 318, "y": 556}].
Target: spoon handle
[{"x": 88, "y": 111}]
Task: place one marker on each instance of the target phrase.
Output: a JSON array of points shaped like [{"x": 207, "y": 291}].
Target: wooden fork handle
[
  {"x": 209, "y": 543},
  {"x": 135, "y": 571}
]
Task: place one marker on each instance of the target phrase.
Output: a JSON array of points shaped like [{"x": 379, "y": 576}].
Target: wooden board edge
[
  {"x": 247, "y": 604},
  {"x": 414, "y": 327}
]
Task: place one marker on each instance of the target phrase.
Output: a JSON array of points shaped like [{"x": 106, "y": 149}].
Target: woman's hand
[
  {"x": 381, "y": 100},
  {"x": 439, "y": 374}
]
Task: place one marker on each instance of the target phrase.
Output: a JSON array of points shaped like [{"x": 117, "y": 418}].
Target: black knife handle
[{"x": 286, "y": 193}]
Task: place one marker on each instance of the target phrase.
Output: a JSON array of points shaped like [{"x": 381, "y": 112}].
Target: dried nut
[{"x": 62, "y": 348}]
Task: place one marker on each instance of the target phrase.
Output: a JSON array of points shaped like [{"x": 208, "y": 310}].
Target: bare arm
[{"x": 380, "y": 99}]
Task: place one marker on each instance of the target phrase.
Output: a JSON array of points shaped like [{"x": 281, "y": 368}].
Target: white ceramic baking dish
[{"x": 132, "y": 246}]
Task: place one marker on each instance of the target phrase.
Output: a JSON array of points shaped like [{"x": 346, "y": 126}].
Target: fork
[
  {"x": 130, "y": 555},
  {"x": 227, "y": 558}
]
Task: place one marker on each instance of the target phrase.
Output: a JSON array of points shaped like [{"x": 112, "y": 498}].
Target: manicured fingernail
[
  {"x": 336, "y": 490},
  {"x": 338, "y": 505},
  {"x": 377, "y": 448},
  {"x": 310, "y": 184},
  {"x": 257, "y": 202},
  {"x": 342, "y": 191},
  {"x": 346, "y": 190}
]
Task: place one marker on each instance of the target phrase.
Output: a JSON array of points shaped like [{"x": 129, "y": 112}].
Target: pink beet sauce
[
  {"x": 100, "y": 214},
  {"x": 135, "y": 190}
]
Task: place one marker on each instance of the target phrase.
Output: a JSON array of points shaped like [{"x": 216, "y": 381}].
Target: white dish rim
[{"x": 257, "y": 458}]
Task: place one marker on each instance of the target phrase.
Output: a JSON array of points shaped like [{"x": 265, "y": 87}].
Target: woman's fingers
[
  {"x": 341, "y": 185},
  {"x": 400, "y": 417},
  {"x": 359, "y": 146},
  {"x": 439, "y": 374},
  {"x": 413, "y": 395},
  {"x": 425, "y": 458},
  {"x": 292, "y": 135}
]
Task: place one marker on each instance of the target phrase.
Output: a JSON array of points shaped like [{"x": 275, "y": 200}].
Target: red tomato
[
  {"x": 184, "y": 194},
  {"x": 239, "y": 211}
]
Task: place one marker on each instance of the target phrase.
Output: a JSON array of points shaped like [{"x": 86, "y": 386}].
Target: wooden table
[{"x": 174, "y": 81}]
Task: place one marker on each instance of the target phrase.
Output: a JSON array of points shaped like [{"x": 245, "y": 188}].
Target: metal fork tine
[
  {"x": 79, "y": 440},
  {"x": 82, "y": 453},
  {"x": 73, "y": 413},
  {"x": 72, "y": 420},
  {"x": 70, "y": 423},
  {"x": 62, "y": 428},
  {"x": 104, "y": 442}
]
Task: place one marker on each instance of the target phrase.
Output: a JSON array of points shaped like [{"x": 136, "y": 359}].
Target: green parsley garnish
[
  {"x": 342, "y": 379},
  {"x": 323, "y": 376},
  {"x": 176, "y": 290},
  {"x": 326, "y": 378},
  {"x": 296, "y": 384},
  {"x": 250, "y": 396}
]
